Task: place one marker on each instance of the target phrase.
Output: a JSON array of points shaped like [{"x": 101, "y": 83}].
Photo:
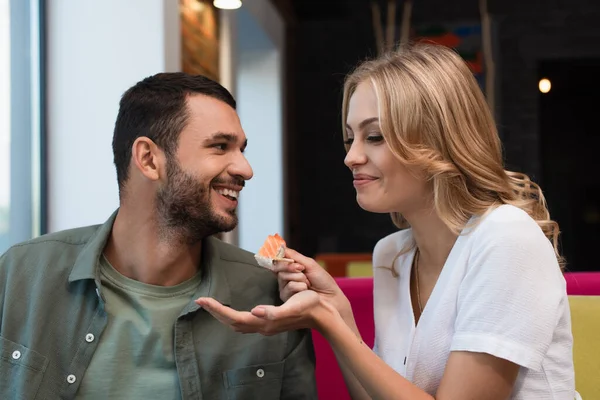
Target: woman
[{"x": 470, "y": 301}]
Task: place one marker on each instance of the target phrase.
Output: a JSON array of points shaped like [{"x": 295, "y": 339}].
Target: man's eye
[{"x": 221, "y": 146}]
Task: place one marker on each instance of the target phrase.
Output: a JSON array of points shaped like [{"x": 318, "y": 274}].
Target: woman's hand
[{"x": 312, "y": 277}]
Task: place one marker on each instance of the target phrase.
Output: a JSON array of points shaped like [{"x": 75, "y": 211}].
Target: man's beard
[{"x": 185, "y": 208}]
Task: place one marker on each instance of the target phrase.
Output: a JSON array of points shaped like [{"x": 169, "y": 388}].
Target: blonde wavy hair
[{"x": 436, "y": 121}]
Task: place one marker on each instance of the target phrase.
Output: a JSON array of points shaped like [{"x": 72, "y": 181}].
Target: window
[
  {"x": 4, "y": 122},
  {"x": 20, "y": 121}
]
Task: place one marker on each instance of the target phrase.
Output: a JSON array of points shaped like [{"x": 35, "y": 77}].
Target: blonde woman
[{"x": 470, "y": 301}]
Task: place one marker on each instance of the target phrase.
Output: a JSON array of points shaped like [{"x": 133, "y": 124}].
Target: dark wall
[
  {"x": 570, "y": 139},
  {"x": 327, "y": 218},
  {"x": 321, "y": 209},
  {"x": 529, "y": 34}
]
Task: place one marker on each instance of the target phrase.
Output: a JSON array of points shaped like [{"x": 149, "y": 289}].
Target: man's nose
[{"x": 241, "y": 167}]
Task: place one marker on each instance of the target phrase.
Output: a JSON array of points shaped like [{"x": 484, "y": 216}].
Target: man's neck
[{"x": 137, "y": 250}]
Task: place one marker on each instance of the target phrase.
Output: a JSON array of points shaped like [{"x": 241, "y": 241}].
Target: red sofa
[{"x": 359, "y": 291}]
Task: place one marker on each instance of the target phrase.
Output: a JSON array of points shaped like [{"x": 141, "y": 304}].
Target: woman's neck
[{"x": 433, "y": 238}]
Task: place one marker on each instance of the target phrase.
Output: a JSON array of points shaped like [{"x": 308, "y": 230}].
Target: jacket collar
[{"x": 214, "y": 281}]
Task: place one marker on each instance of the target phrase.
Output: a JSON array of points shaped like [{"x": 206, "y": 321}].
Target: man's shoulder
[
  {"x": 235, "y": 254},
  {"x": 52, "y": 244},
  {"x": 234, "y": 258}
]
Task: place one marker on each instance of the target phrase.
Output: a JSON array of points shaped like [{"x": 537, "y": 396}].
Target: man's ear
[{"x": 148, "y": 158}]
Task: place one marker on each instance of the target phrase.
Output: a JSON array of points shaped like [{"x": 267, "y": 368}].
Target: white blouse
[{"x": 500, "y": 292}]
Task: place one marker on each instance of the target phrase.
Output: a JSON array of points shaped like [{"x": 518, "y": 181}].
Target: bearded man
[{"x": 108, "y": 311}]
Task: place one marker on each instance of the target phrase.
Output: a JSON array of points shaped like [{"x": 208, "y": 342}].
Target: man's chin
[
  {"x": 228, "y": 222},
  {"x": 222, "y": 220},
  {"x": 192, "y": 231},
  {"x": 220, "y": 226}
]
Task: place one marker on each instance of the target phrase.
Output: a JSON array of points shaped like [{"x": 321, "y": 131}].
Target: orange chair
[{"x": 336, "y": 263}]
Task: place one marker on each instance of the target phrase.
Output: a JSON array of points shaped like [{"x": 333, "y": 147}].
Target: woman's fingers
[
  {"x": 285, "y": 277},
  {"x": 308, "y": 263},
  {"x": 294, "y": 281},
  {"x": 291, "y": 289},
  {"x": 284, "y": 266}
]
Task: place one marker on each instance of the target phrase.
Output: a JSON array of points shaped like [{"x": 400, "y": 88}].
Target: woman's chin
[{"x": 372, "y": 205}]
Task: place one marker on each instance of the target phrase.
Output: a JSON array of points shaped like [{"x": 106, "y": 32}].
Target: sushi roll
[{"x": 273, "y": 249}]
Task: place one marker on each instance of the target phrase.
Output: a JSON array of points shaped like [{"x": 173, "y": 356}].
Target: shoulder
[
  {"x": 508, "y": 242},
  {"x": 387, "y": 248},
  {"x": 50, "y": 246},
  {"x": 507, "y": 217},
  {"x": 235, "y": 254},
  {"x": 509, "y": 227},
  {"x": 242, "y": 261},
  {"x": 38, "y": 268}
]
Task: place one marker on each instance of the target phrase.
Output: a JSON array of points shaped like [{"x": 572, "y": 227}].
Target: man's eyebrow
[
  {"x": 364, "y": 123},
  {"x": 226, "y": 136}
]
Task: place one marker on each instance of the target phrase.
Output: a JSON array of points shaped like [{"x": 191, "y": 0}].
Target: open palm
[{"x": 297, "y": 313}]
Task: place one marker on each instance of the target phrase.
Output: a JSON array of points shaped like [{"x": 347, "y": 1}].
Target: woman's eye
[
  {"x": 375, "y": 138},
  {"x": 348, "y": 142}
]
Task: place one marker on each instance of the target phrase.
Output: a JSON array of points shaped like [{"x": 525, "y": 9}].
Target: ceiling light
[
  {"x": 227, "y": 4},
  {"x": 545, "y": 85}
]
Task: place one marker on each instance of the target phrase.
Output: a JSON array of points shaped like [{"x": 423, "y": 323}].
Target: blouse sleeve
[{"x": 511, "y": 297}]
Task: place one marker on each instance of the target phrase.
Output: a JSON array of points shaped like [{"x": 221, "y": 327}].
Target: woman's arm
[
  {"x": 459, "y": 363},
  {"x": 355, "y": 389},
  {"x": 467, "y": 375},
  {"x": 294, "y": 278}
]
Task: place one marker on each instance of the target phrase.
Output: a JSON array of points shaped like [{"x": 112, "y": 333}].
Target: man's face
[{"x": 206, "y": 173}]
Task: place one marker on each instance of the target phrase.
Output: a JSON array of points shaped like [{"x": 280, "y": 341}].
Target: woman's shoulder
[
  {"x": 511, "y": 238},
  {"x": 388, "y": 247},
  {"x": 507, "y": 213},
  {"x": 506, "y": 222}
]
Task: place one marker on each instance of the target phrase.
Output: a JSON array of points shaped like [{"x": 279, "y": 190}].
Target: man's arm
[{"x": 299, "y": 372}]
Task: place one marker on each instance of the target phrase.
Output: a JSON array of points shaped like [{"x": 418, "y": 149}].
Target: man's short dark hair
[{"x": 156, "y": 108}]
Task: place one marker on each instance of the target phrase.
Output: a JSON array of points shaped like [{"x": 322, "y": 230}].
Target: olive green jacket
[{"x": 52, "y": 317}]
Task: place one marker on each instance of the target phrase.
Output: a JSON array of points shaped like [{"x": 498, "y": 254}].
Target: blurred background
[{"x": 65, "y": 63}]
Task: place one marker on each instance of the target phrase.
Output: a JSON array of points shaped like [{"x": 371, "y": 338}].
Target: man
[{"x": 108, "y": 312}]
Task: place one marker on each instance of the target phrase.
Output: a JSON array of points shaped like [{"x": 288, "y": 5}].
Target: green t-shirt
[{"x": 135, "y": 357}]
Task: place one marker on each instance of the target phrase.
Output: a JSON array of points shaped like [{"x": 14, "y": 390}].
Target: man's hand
[{"x": 303, "y": 310}]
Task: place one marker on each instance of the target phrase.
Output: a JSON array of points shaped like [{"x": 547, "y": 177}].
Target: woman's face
[{"x": 383, "y": 184}]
